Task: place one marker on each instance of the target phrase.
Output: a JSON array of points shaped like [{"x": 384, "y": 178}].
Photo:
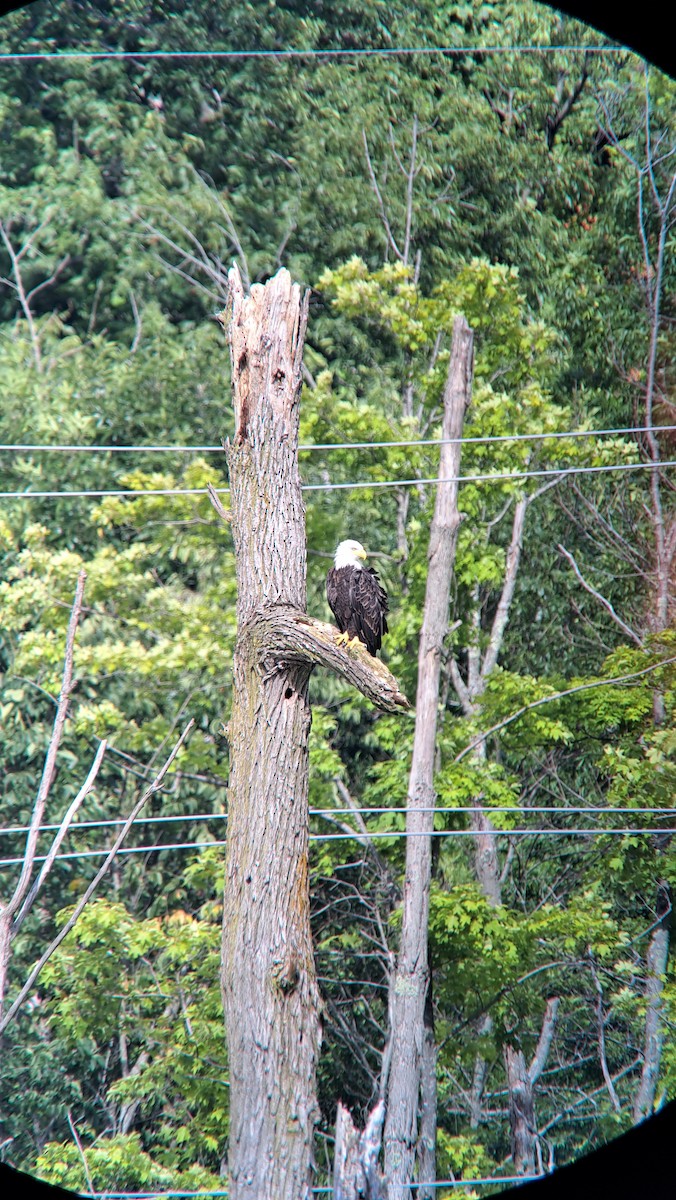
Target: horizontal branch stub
[{"x": 282, "y": 634}]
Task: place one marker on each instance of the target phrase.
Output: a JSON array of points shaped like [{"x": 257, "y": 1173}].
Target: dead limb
[
  {"x": 281, "y": 634},
  {"x": 103, "y": 870},
  {"x": 50, "y": 760}
]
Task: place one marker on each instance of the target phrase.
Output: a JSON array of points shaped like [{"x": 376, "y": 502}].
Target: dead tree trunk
[
  {"x": 521, "y": 1111},
  {"x": 270, "y": 993},
  {"x": 656, "y": 965},
  {"x": 427, "y": 1133},
  {"x": 269, "y": 985},
  {"x": 521, "y": 1082},
  {"x": 412, "y": 972},
  {"x": 355, "y": 1168}
]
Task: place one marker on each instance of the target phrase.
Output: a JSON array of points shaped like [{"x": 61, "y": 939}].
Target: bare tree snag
[
  {"x": 656, "y": 966},
  {"x": 355, "y": 1165},
  {"x": 270, "y": 993},
  {"x": 521, "y": 1086},
  {"x": 521, "y": 1111},
  {"x": 269, "y": 984},
  {"x": 412, "y": 971},
  {"x": 427, "y": 1133}
]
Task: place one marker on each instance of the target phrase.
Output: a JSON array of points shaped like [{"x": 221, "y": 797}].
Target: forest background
[{"x": 532, "y": 191}]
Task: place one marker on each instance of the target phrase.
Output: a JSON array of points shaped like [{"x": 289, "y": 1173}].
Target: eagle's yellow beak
[{"x": 362, "y": 553}]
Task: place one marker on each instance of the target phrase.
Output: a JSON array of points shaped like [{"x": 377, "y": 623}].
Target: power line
[
  {"x": 487, "y": 439},
  {"x": 449, "y": 1183},
  {"x": 454, "y": 833},
  {"x": 357, "y": 52},
  {"x": 495, "y": 477},
  {"x": 329, "y": 813},
  {"x": 358, "y": 835},
  {"x": 316, "y": 1191},
  {"x": 156, "y": 1195}
]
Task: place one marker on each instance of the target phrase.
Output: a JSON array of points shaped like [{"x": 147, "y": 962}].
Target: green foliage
[
  {"x": 127, "y": 187},
  {"x": 462, "y": 1157},
  {"x": 116, "y": 1162},
  {"x": 147, "y": 992}
]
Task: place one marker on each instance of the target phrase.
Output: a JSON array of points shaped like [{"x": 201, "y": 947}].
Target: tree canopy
[{"x": 532, "y": 192}]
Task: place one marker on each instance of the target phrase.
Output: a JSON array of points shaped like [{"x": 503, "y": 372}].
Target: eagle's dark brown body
[{"x": 359, "y": 604}]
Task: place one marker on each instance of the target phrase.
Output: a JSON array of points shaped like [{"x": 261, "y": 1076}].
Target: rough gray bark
[
  {"x": 355, "y": 1167},
  {"x": 412, "y": 973},
  {"x": 281, "y": 631},
  {"x": 269, "y": 985},
  {"x": 656, "y": 965},
  {"x": 486, "y": 862}
]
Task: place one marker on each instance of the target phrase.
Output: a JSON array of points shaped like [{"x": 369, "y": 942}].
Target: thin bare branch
[
  {"x": 40, "y": 287},
  {"x": 52, "y": 750},
  {"x": 649, "y": 148},
  {"x": 223, "y": 513},
  {"x": 626, "y": 629},
  {"x": 410, "y": 178},
  {"x": 629, "y": 554},
  {"x": 555, "y": 120},
  {"x": 581, "y": 687},
  {"x": 601, "y": 1034},
  {"x": 59, "y": 836},
  {"x": 137, "y": 321},
  {"x": 511, "y": 570},
  {"x": 346, "y": 797},
  {"x": 308, "y": 377},
  {"x": 21, "y": 293},
  {"x": 474, "y": 648},
  {"x": 154, "y": 787},
  {"x": 78, "y": 1143},
  {"x": 217, "y": 297},
  {"x": 230, "y": 226},
  {"x": 381, "y": 205},
  {"x": 200, "y": 261}
]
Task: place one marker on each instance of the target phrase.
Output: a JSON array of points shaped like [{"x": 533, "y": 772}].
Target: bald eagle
[{"x": 356, "y": 598}]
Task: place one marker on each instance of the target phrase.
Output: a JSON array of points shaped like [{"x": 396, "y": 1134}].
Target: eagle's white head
[{"x": 349, "y": 554}]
